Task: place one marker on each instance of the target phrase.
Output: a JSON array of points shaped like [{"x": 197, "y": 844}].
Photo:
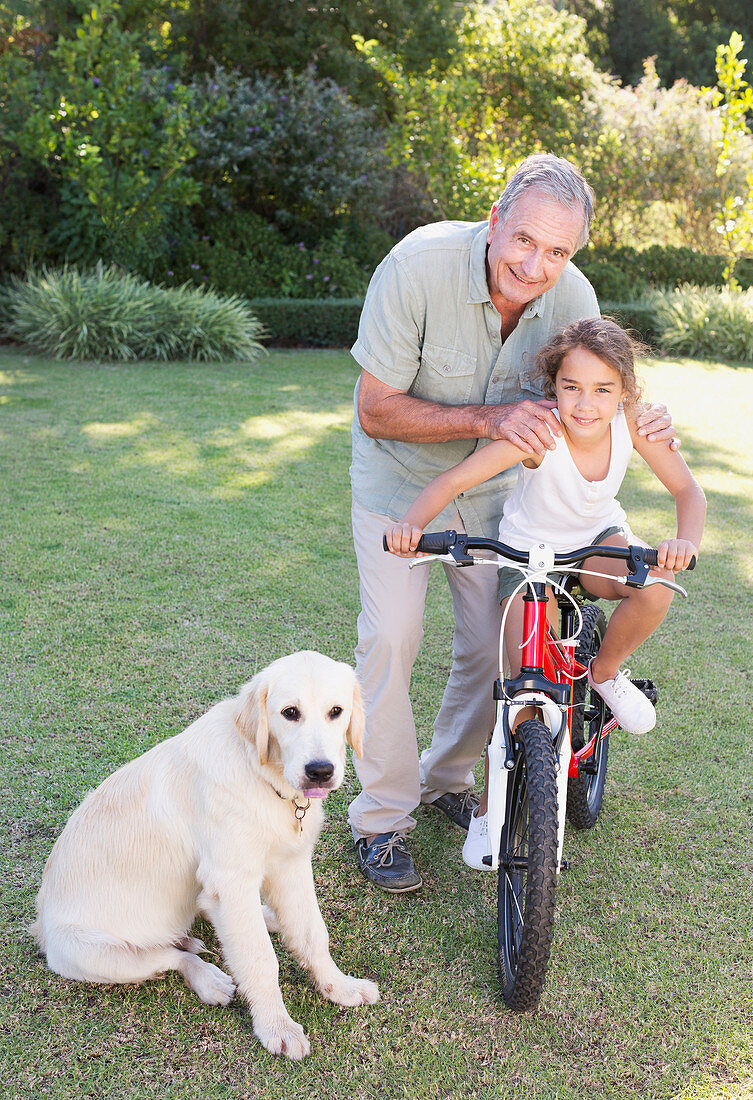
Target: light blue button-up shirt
[{"x": 429, "y": 327}]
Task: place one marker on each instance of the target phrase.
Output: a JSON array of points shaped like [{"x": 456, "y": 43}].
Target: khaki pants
[{"x": 390, "y": 629}]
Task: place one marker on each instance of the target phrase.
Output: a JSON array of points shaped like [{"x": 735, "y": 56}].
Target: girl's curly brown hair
[{"x": 604, "y": 338}]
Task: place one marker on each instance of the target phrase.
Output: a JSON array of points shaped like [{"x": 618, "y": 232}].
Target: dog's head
[{"x": 299, "y": 713}]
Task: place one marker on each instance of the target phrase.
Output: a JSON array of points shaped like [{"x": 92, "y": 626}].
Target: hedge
[
  {"x": 622, "y": 274},
  {"x": 308, "y": 322}
]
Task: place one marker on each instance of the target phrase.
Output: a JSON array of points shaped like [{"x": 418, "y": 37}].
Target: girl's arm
[
  {"x": 402, "y": 538},
  {"x": 690, "y": 502}
]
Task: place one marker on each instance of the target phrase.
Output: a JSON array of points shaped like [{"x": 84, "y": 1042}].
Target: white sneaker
[
  {"x": 477, "y": 843},
  {"x": 633, "y": 711}
]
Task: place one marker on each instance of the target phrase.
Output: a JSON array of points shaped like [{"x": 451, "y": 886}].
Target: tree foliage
[
  {"x": 112, "y": 137},
  {"x": 509, "y": 91},
  {"x": 680, "y": 34},
  {"x": 147, "y": 131},
  {"x": 733, "y": 100}
]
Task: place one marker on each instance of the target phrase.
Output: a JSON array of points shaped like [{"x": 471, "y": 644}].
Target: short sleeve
[{"x": 391, "y": 327}]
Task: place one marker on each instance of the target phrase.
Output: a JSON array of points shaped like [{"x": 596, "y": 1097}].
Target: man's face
[{"x": 529, "y": 251}]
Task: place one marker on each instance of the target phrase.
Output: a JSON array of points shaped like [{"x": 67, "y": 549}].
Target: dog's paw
[
  {"x": 283, "y": 1036},
  {"x": 210, "y": 984},
  {"x": 349, "y": 991}
]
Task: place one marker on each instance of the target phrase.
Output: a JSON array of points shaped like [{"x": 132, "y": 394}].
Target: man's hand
[
  {"x": 655, "y": 423},
  {"x": 529, "y": 425}
]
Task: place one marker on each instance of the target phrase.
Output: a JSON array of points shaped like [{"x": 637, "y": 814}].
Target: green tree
[
  {"x": 679, "y": 34},
  {"x": 513, "y": 87},
  {"x": 115, "y": 136},
  {"x": 733, "y": 99}
]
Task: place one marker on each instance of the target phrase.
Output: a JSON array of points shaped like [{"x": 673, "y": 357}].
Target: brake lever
[
  {"x": 450, "y": 559},
  {"x": 649, "y": 581},
  {"x": 427, "y": 559}
]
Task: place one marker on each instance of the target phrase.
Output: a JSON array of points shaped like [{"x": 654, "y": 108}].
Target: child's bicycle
[{"x": 551, "y": 766}]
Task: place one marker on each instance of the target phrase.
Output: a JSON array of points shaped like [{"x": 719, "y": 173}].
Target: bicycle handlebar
[{"x": 639, "y": 558}]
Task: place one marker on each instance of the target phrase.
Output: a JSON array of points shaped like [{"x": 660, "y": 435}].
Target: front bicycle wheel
[
  {"x": 528, "y": 869},
  {"x": 585, "y": 793}
]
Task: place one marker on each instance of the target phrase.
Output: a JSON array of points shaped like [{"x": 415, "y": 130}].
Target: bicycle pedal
[
  {"x": 486, "y": 860},
  {"x": 648, "y": 687}
]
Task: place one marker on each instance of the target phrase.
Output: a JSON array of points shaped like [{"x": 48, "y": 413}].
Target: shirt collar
[{"x": 478, "y": 288}]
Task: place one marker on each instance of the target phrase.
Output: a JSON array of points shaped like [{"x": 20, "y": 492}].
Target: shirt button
[
  {"x": 446, "y": 368},
  {"x": 495, "y": 378}
]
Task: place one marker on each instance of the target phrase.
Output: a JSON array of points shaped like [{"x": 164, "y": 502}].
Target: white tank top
[{"x": 557, "y": 505}]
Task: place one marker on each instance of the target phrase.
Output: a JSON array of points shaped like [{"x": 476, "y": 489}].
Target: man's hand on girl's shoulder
[{"x": 655, "y": 423}]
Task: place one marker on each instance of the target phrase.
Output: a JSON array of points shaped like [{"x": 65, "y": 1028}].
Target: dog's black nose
[{"x": 319, "y": 770}]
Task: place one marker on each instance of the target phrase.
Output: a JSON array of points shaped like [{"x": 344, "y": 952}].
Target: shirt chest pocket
[
  {"x": 531, "y": 385},
  {"x": 445, "y": 375}
]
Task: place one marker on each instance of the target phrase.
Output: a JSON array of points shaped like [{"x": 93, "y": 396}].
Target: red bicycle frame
[{"x": 544, "y": 653}]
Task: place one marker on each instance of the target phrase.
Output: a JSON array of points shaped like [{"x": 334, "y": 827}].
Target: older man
[{"x": 449, "y": 332}]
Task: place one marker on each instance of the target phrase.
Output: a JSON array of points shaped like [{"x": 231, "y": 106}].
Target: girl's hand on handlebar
[
  {"x": 675, "y": 554},
  {"x": 402, "y": 539}
]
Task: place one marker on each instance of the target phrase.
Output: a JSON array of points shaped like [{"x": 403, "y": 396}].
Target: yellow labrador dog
[{"x": 212, "y": 821}]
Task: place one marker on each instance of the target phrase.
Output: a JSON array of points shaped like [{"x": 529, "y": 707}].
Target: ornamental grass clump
[
  {"x": 704, "y": 322},
  {"x": 109, "y": 314}
]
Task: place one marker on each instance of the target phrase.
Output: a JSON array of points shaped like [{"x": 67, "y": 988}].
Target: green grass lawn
[{"x": 165, "y": 532}]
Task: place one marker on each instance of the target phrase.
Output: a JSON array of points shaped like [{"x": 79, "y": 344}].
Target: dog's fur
[{"x": 206, "y": 823}]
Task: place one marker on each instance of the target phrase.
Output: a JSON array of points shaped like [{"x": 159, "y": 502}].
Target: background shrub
[
  {"x": 704, "y": 322},
  {"x": 109, "y": 314},
  {"x": 622, "y": 273},
  {"x": 637, "y": 317},
  {"x": 323, "y": 323},
  {"x": 296, "y": 150},
  {"x": 241, "y": 253}
]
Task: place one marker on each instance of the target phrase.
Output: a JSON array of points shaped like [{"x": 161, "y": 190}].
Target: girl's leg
[{"x": 637, "y": 615}]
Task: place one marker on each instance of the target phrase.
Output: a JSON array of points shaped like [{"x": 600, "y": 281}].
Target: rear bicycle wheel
[
  {"x": 585, "y": 793},
  {"x": 527, "y": 876}
]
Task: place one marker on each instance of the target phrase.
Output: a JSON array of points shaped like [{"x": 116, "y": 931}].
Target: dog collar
[{"x": 299, "y": 810}]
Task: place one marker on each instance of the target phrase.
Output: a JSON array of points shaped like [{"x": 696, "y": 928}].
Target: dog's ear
[
  {"x": 357, "y": 722},
  {"x": 251, "y": 716}
]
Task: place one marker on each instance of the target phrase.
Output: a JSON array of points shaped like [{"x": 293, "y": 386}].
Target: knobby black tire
[
  {"x": 585, "y": 793},
  {"x": 526, "y": 890}
]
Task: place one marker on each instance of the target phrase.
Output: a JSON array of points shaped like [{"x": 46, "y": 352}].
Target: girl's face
[{"x": 587, "y": 391}]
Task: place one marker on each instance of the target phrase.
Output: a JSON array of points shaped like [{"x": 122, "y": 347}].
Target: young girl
[{"x": 566, "y": 498}]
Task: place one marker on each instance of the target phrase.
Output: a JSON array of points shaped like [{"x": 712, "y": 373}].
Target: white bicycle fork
[{"x": 555, "y": 718}]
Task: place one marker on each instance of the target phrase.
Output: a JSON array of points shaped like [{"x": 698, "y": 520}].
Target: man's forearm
[{"x": 414, "y": 420}]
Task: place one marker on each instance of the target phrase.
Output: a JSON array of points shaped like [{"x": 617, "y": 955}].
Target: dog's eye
[
  {"x": 335, "y": 712},
  {"x": 292, "y": 714}
]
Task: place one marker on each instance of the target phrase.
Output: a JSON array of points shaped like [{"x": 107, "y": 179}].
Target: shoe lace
[
  {"x": 467, "y": 802},
  {"x": 385, "y": 852},
  {"x": 622, "y": 683}
]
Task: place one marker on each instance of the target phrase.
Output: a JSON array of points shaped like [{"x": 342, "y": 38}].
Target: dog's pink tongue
[{"x": 316, "y": 792}]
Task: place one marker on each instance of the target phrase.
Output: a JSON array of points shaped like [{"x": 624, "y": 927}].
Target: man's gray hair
[{"x": 558, "y": 179}]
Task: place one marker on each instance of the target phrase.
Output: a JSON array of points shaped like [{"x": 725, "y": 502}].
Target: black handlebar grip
[
  {"x": 384, "y": 544},
  {"x": 438, "y": 542},
  {"x": 691, "y": 563}
]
